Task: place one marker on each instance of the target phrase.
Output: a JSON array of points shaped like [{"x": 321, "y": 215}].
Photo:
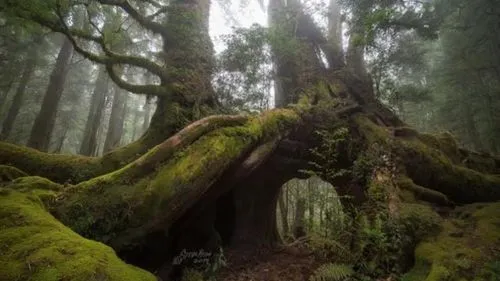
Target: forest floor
[{"x": 290, "y": 263}]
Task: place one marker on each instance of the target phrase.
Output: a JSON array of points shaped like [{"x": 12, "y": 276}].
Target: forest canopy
[{"x": 249, "y": 140}]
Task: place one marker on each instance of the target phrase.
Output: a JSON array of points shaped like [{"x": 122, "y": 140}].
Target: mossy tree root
[
  {"x": 153, "y": 191},
  {"x": 433, "y": 164},
  {"x": 74, "y": 168}
]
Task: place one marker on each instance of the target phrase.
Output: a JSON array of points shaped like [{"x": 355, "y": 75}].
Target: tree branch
[{"x": 132, "y": 12}]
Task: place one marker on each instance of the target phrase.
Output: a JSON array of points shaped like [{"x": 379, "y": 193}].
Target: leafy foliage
[{"x": 332, "y": 272}]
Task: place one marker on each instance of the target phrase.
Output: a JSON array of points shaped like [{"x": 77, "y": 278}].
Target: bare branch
[
  {"x": 155, "y": 90},
  {"x": 132, "y": 12}
]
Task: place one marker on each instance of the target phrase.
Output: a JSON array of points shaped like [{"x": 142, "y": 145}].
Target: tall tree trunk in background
[
  {"x": 310, "y": 204},
  {"x": 471, "y": 137},
  {"x": 283, "y": 211},
  {"x": 5, "y": 93},
  {"x": 19, "y": 96},
  {"x": 100, "y": 141},
  {"x": 489, "y": 104},
  {"x": 147, "y": 114},
  {"x": 45, "y": 120},
  {"x": 125, "y": 112},
  {"x": 135, "y": 123},
  {"x": 61, "y": 140},
  {"x": 94, "y": 118},
  {"x": 115, "y": 127},
  {"x": 299, "y": 229}
]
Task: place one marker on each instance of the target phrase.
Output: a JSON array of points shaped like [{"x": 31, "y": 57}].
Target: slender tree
[
  {"x": 17, "y": 101},
  {"x": 94, "y": 119},
  {"x": 45, "y": 120},
  {"x": 116, "y": 119}
]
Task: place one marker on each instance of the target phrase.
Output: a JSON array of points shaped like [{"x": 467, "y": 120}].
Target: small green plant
[
  {"x": 192, "y": 275},
  {"x": 327, "y": 154},
  {"x": 332, "y": 272},
  {"x": 218, "y": 262}
]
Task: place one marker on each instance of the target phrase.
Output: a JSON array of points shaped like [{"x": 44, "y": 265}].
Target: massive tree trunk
[
  {"x": 94, "y": 118},
  {"x": 19, "y": 95},
  {"x": 335, "y": 52},
  {"x": 46, "y": 118},
  {"x": 189, "y": 54}
]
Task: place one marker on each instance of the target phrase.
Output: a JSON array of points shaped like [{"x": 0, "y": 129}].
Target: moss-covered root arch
[{"x": 220, "y": 160}]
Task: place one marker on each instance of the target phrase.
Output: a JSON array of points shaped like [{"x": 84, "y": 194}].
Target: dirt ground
[{"x": 285, "y": 264}]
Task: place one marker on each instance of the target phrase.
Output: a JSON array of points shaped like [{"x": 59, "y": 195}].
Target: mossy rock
[
  {"x": 419, "y": 220},
  {"x": 405, "y": 132},
  {"x": 9, "y": 173},
  {"x": 432, "y": 169},
  {"x": 57, "y": 167},
  {"x": 481, "y": 163},
  {"x": 468, "y": 242},
  {"x": 35, "y": 246},
  {"x": 32, "y": 183},
  {"x": 420, "y": 192},
  {"x": 444, "y": 142}
]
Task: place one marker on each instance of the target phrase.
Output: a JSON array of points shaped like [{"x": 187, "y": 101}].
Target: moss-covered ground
[{"x": 35, "y": 246}]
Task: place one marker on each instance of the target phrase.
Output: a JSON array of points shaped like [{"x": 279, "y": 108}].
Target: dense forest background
[{"x": 434, "y": 63}]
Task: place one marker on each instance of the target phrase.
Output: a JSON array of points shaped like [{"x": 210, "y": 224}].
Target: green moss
[
  {"x": 35, "y": 246},
  {"x": 419, "y": 220},
  {"x": 371, "y": 131},
  {"x": 422, "y": 193},
  {"x": 432, "y": 169},
  {"x": 468, "y": 241},
  {"x": 192, "y": 275},
  {"x": 9, "y": 173},
  {"x": 110, "y": 207},
  {"x": 405, "y": 132},
  {"x": 57, "y": 167},
  {"x": 445, "y": 142},
  {"x": 476, "y": 161},
  {"x": 32, "y": 183}
]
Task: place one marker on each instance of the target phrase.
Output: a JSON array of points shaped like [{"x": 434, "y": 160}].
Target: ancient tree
[{"x": 196, "y": 180}]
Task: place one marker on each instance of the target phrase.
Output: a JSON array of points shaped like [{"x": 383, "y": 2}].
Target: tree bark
[
  {"x": 94, "y": 118},
  {"x": 189, "y": 57},
  {"x": 45, "y": 120},
  {"x": 19, "y": 95},
  {"x": 335, "y": 53}
]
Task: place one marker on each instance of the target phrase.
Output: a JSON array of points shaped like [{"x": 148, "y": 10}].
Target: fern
[{"x": 332, "y": 272}]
